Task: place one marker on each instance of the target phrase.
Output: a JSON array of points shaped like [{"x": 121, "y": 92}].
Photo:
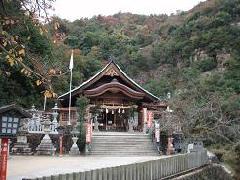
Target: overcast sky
[{"x": 76, "y": 9}]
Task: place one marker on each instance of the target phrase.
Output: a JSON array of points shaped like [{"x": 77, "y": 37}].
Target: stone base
[
  {"x": 46, "y": 147},
  {"x": 74, "y": 151},
  {"x": 170, "y": 151},
  {"x": 21, "y": 149},
  {"x": 87, "y": 149}
]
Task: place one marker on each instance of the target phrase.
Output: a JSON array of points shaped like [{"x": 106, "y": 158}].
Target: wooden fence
[{"x": 148, "y": 170}]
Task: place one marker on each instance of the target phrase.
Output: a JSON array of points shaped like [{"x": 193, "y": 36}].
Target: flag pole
[
  {"x": 45, "y": 102},
  {"x": 70, "y": 89}
]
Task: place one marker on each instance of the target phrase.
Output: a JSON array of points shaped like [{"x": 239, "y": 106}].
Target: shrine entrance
[
  {"x": 112, "y": 121},
  {"x": 116, "y": 119}
]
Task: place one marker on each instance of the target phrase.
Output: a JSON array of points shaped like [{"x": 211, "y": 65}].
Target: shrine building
[{"x": 115, "y": 101}]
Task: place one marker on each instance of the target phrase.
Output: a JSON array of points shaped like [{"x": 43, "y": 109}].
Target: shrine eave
[{"x": 114, "y": 87}]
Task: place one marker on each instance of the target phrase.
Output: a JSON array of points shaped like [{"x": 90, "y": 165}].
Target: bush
[
  {"x": 219, "y": 153},
  {"x": 206, "y": 64},
  {"x": 237, "y": 150}
]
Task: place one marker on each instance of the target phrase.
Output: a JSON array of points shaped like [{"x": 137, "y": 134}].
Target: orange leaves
[
  {"x": 5, "y": 43},
  {"x": 10, "y": 60},
  {"x": 41, "y": 31},
  {"x": 38, "y": 82},
  {"x": 26, "y": 72},
  {"x": 21, "y": 52},
  {"x": 50, "y": 94},
  {"x": 52, "y": 71}
]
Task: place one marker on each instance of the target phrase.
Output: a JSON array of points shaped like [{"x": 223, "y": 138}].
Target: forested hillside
[{"x": 195, "y": 55}]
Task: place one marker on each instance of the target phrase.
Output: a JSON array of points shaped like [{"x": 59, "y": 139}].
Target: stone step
[
  {"x": 122, "y": 135},
  {"x": 122, "y": 144},
  {"x": 124, "y": 154},
  {"x": 123, "y": 149},
  {"x": 122, "y": 139}
]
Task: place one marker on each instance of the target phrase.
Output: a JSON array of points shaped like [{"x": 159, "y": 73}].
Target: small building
[
  {"x": 10, "y": 116},
  {"x": 115, "y": 100}
]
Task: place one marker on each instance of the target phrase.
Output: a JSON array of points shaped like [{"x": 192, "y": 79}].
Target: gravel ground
[{"x": 36, "y": 166}]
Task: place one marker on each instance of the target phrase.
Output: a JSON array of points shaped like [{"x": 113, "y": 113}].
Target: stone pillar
[
  {"x": 130, "y": 126},
  {"x": 157, "y": 135},
  {"x": 170, "y": 148},
  {"x": 96, "y": 124}
]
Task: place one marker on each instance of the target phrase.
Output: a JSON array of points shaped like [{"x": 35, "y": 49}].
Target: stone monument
[
  {"x": 46, "y": 146},
  {"x": 21, "y": 147}
]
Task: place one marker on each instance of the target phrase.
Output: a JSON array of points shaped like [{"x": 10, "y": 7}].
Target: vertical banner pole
[
  {"x": 70, "y": 89},
  {"x": 45, "y": 102},
  {"x": 4, "y": 157},
  {"x": 70, "y": 99}
]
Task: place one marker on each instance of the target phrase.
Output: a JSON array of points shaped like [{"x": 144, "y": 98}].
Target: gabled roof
[
  {"x": 95, "y": 78},
  {"x": 24, "y": 114}
]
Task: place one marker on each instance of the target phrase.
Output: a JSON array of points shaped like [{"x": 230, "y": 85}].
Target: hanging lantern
[
  {"x": 119, "y": 110},
  {"x": 123, "y": 111},
  {"x": 112, "y": 111},
  {"x": 106, "y": 110}
]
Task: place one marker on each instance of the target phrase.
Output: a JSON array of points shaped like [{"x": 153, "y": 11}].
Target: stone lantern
[
  {"x": 74, "y": 149},
  {"x": 54, "y": 124},
  {"x": 46, "y": 146}
]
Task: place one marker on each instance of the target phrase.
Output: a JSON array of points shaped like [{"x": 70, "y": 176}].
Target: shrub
[{"x": 207, "y": 64}]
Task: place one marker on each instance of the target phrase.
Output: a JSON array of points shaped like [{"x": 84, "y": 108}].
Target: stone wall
[{"x": 211, "y": 172}]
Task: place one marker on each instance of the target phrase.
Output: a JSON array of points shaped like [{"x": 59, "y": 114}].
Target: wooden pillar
[{"x": 4, "y": 157}]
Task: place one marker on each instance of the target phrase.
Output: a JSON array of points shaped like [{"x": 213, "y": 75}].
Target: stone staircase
[{"x": 122, "y": 144}]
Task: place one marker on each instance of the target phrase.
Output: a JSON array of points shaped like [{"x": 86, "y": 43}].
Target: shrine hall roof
[
  {"x": 11, "y": 107},
  {"x": 99, "y": 73}
]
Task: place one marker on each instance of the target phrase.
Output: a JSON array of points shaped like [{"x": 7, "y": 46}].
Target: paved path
[{"x": 37, "y": 166}]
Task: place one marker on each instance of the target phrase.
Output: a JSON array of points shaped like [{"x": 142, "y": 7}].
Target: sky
[{"x": 76, "y": 9}]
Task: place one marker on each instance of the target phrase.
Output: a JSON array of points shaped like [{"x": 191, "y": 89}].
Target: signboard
[{"x": 150, "y": 118}]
